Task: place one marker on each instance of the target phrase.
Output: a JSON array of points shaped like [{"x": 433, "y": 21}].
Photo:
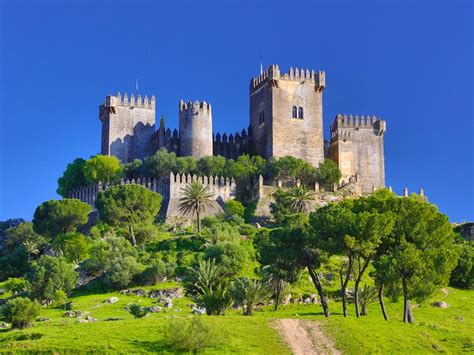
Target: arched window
[
  {"x": 261, "y": 117},
  {"x": 294, "y": 112},
  {"x": 300, "y": 113}
]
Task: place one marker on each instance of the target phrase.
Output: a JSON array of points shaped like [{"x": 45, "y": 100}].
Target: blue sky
[{"x": 407, "y": 62}]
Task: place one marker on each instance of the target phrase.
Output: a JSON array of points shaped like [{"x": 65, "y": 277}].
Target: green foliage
[
  {"x": 128, "y": 205},
  {"x": 60, "y": 298},
  {"x": 15, "y": 285},
  {"x": 211, "y": 165},
  {"x": 134, "y": 169},
  {"x": 231, "y": 257},
  {"x": 160, "y": 164},
  {"x": 14, "y": 264},
  {"x": 284, "y": 209},
  {"x": 245, "y": 167},
  {"x": 249, "y": 293},
  {"x": 156, "y": 272},
  {"x": 249, "y": 212},
  {"x": 20, "y": 312},
  {"x": 196, "y": 198},
  {"x": 121, "y": 272},
  {"x": 103, "y": 168},
  {"x": 137, "y": 311},
  {"x": 185, "y": 165},
  {"x": 300, "y": 199},
  {"x": 462, "y": 275},
  {"x": 22, "y": 236},
  {"x": 234, "y": 208},
  {"x": 73, "y": 246},
  {"x": 193, "y": 336},
  {"x": 50, "y": 274},
  {"x": 221, "y": 231},
  {"x": 208, "y": 285},
  {"x": 54, "y": 217},
  {"x": 73, "y": 177},
  {"x": 328, "y": 173},
  {"x": 289, "y": 169}
]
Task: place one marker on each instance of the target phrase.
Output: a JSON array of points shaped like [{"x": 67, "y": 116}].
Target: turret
[{"x": 195, "y": 129}]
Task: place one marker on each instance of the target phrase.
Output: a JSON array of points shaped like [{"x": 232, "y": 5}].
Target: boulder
[
  {"x": 111, "y": 300},
  {"x": 199, "y": 310},
  {"x": 168, "y": 304},
  {"x": 441, "y": 304},
  {"x": 154, "y": 309},
  {"x": 4, "y": 325}
]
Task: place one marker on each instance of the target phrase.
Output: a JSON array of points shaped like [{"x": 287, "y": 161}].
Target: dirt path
[{"x": 305, "y": 337}]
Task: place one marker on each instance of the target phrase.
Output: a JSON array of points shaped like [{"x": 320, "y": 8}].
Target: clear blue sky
[{"x": 410, "y": 63}]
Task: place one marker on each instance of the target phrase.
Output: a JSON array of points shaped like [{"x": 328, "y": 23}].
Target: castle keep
[{"x": 286, "y": 118}]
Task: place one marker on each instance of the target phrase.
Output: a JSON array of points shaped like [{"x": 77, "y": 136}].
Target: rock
[
  {"x": 111, "y": 300},
  {"x": 4, "y": 325},
  {"x": 178, "y": 310},
  {"x": 154, "y": 309},
  {"x": 90, "y": 319},
  {"x": 461, "y": 319},
  {"x": 70, "y": 314},
  {"x": 168, "y": 304},
  {"x": 286, "y": 299},
  {"x": 42, "y": 319},
  {"x": 2, "y": 291},
  {"x": 441, "y": 304},
  {"x": 199, "y": 310}
]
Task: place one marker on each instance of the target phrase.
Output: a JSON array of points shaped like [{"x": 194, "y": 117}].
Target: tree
[
  {"x": 290, "y": 251},
  {"x": 73, "y": 178},
  {"x": 275, "y": 279},
  {"x": 15, "y": 285},
  {"x": 300, "y": 199},
  {"x": 121, "y": 272},
  {"x": 128, "y": 205},
  {"x": 134, "y": 169},
  {"x": 60, "y": 216},
  {"x": 209, "y": 287},
  {"x": 160, "y": 164},
  {"x": 50, "y": 274},
  {"x": 73, "y": 246},
  {"x": 103, "y": 168},
  {"x": 234, "y": 208},
  {"x": 422, "y": 254},
  {"x": 185, "y": 165},
  {"x": 366, "y": 296},
  {"x": 463, "y": 274},
  {"x": 289, "y": 169},
  {"x": 22, "y": 235},
  {"x": 196, "y": 199},
  {"x": 20, "y": 312},
  {"x": 328, "y": 173},
  {"x": 249, "y": 293},
  {"x": 231, "y": 257},
  {"x": 211, "y": 166}
]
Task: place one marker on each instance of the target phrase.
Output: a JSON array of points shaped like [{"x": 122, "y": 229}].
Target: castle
[{"x": 286, "y": 118}]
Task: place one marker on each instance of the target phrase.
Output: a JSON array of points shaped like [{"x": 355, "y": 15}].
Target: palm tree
[
  {"x": 367, "y": 295},
  {"x": 249, "y": 293},
  {"x": 196, "y": 199},
  {"x": 31, "y": 248},
  {"x": 300, "y": 198}
]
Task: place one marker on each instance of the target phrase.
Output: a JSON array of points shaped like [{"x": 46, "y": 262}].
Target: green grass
[{"x": 435, "y": 330}]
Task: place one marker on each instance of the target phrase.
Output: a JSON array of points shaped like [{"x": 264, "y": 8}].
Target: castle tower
[
  {"x": 128, "y": 125},
  {"x": 286, "y": 114},
  {"x": 195, "y": 129},
  {"x": 357, "y": 147}
]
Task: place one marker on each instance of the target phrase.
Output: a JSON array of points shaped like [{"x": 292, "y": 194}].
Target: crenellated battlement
[
  {"x": 195, "y": 106},
  {"x": 132, "y": 101},
  {"x": 231, "y": 146},
  {"x": 273, "y": 73},
  {"x": 356, "y": 122}
]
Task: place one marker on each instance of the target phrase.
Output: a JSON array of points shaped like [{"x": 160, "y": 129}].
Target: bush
[
  {"x": 249, "y": 212},
  {"x": 74, "y": 246},
  {"x": 234, "y": 208},
  {"x": 231, "y": 257},
  {"x": 249, "y": 293},
  {"x": 155, "y": 273},
  {"x": 50, "y": 274},
  {"x": 193, "y": 336},
  {"x": 20, "y": 312},
  {"x": 463, "y": 274},
  {"x": 328, "y": 173},
  {"x": 137, "y": 311},
  {"x": 122, "y": 272},
  {"x": 15, "y": 285}
]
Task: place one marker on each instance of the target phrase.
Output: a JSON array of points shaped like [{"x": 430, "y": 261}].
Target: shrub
[
  {"x": 463, "y": 274},
  {"x": 137, "y": 311},
  {"x": 231, "y": 257},
  {"x": 15, "y": 285},
  {"x": 20, "y": 312},
  {"x": 249, "y": 293},
  {"x": 328, "y": 173},
  {"x": 234, "y": 208},
  {"x": 249, "y": 212},
  {"x": 122, "y": 272},
  {"x": 193, "y": 336},
  {"x": 50, "y": 274},
  {"x": 154, "y": 273},
  {"x": 74, "y": 246}
]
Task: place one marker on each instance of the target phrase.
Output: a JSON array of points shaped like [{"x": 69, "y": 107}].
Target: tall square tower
[{"x": 286, "y": 114}]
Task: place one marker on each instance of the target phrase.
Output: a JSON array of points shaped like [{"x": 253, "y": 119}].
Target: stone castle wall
[
  {"x": 357, "y": 147},
  {"x": 195, "y": 129}
]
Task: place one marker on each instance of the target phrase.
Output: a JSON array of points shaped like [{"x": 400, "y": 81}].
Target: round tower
[{"x": 195, "y": 129}]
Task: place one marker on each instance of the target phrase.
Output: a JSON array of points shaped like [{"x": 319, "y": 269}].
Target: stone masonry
[{"x": 286, "y": 118}]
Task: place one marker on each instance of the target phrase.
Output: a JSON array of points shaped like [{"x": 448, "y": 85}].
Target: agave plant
[
  {"x": 367, "y": 295},
  {"x": 300, "y": 199},
  {"x": 249, "y": 293}
]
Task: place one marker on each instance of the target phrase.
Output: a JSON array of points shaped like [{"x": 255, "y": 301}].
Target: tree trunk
[
  {"x": 278, "y": 292},
  {"x": 407, "y": 311},
  {"x": 382, "y": 304},
  {"x": 198, "y": 217},
  {"x": 364, "y": 309},
  {"x": 344, "y": 286},
  {"x": 356, "y": 286},
  {"x": 317, "y": 284},
  {"x": 132, "y": 235}
]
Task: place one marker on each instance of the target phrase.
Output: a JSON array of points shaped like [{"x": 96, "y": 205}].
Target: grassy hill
[{"x": 449, "y": 330}]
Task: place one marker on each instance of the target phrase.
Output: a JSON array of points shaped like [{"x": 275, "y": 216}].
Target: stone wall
[
  {"x": 232, "y": 146},
  {"x": 128, "y": 126},
  {"x": 357, "y": 147}
]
